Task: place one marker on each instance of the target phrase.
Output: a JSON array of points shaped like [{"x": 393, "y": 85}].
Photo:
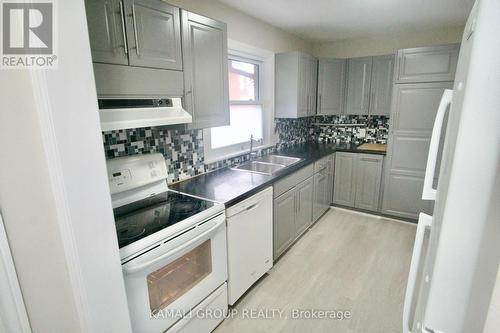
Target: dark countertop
[{"x": 232, "y": 186}]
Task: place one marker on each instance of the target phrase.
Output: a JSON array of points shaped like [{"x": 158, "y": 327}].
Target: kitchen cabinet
[
  {"x": 249, "y": 242},
  {"x": 135, "y": 32},
  {"x": 358, "y": 85},
  {"x": 369, "y": 85},
  {"x": 345, "y": 179},
  {"x": 296, "y": 85},
  {"x": 427, "y": 64},
  {"x": 153, "y": 34},
  {"x": 331, "y": 178},
  {"x": 368, "y": 178},
  {"x": 357, "y": 180},
  {"x": 381, "y": 85},
  {"x": 293, "y": 206},
  {"x": 412, "y": 119},
  {"x": 331, "y": 86},
  {"x": 284, "y": 222},
  {"x": 304, "y": 206},
  {"x": 322, "y": 186},
  {"x": 106, "y": 24},
  {"x": 206, "y": 94}
]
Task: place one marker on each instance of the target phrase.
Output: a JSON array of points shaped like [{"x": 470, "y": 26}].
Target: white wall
[
  {"x": 244, "y": 28},
  {"x": 388, "y": 43},
  {"x": 54, "y": 194}
]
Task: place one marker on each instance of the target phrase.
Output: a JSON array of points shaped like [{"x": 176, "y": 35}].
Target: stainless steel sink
[
  {"x": 268, "y": 165},
  {"x": 278, "y": 159},
  {"x": 260, "y": 167}
]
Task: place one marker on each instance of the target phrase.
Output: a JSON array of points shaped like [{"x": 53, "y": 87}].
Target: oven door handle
[{"x": 131, "y": 268}]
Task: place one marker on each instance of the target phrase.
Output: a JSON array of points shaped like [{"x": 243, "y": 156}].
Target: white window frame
[{"x": 265, "y": 60}]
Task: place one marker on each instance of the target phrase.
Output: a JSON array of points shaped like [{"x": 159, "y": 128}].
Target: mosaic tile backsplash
[{"x": 183, "y": 149}]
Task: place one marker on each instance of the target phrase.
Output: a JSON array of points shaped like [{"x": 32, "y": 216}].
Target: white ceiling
[{"x": 330, "y": 20}]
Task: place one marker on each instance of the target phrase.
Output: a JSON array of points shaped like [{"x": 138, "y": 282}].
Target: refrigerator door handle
[
  {"x": 428, "y": 192},
  {"x": 424, "y": 222}
]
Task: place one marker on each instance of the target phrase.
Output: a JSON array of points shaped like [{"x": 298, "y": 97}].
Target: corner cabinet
[
  {"x": 357, "y": 180},
  {"x": 369, "y": 85},
  {"x": 296, "y": 84},
  {"x": 206, "y": 94},
  {"x": 331, "y": 86}
]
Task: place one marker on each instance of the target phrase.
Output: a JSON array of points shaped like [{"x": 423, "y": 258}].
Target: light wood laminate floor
[{"x": 347, "y": 261}]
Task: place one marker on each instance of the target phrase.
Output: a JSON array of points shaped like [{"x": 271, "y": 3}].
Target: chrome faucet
[{"x": 251, "y": 154}]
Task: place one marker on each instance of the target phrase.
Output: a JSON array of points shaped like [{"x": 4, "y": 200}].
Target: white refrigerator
[{"x": 457, "y": 249}]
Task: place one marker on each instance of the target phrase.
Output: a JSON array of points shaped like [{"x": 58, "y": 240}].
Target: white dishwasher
[{"x": 249, "y": 242}]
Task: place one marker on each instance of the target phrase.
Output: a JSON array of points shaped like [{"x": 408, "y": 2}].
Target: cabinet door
[
  {"x": 153, "y": 34},
  {"x": 381, "y": 85},
  {"x": 358, "y": 85},
  {"x": 331, "y": 86},
  {"x": 427, "y": 64},
  {"x": 368, "y": 177},
  {"x": 106, "y": 24},
  {"x": 320, "y": 202},
  {"x": 205, "y": 70},
  {"x": 345, "y": 179},
  {"x": 284, "y": 222},
  {"x": 304, "y": 79},
  {"x": 304, "y": 206},
  {"x": 331, "y": 178},
  {"x": 313, "y": 74},
  {"x": 413, "y": 113}
]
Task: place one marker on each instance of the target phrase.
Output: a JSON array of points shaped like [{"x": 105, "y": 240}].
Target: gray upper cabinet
[
  {"x": 358, "y": 85},
  {"x": 205, "y": 72},
  {"x": 284, "y": 221},
  {"x": 381, "y": 85},
  {"x": 296, "y": 84},
  {"x": 153, "y": 34},
  {"x": 345, "y": 179},
  {"x": 304, "y": 206},
  {"x": 106, "y": 23},
  {"x": 331, "y": 86},
  {"x": 368, "y": 178},
  {"x": 427, "y": 64}
]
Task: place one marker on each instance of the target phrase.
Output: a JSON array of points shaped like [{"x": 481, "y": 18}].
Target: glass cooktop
[{"x": 145, "y": 217}]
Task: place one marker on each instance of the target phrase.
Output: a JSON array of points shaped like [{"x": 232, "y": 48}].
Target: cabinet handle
[
  {"x": 122, "y": 17},
  {"x": 366, "y": 159},
  {"x": 135, "y": 32}
]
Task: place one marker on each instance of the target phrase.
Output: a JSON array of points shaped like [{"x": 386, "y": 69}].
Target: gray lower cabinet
[
  {"x": 293, "y": 208},
  {"x": 331, "y": 86},
  {"x": 304, "y": 206},
  {"x": 284, "y": 221},
  {"x": 153, "y": 34},
  {"x": 357, "y": 180},
  {"x": 206, "y": 94},
  {"x": 345, "y": 179},
  {"x": 321, "y": 201},
  {"x": 358, "y": 85},
  {"x": 368, "y": 178}
]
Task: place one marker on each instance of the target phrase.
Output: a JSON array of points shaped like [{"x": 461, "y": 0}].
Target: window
[
  {"x": 251, "y": 89},
  {"x": 245, "y": 105}
]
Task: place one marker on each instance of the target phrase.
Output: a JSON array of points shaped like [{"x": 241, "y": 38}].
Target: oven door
[{"x": 167, "y": 281}]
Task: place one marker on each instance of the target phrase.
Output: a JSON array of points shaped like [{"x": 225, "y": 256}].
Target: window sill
[{"x": 232, "y": 155}]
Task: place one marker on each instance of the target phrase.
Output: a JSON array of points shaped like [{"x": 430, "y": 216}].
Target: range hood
[{"x": 116, "y": 114}]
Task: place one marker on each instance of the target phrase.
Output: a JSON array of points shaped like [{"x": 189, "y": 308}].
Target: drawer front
[
  {"x": 292, "y": 180},
  {"x": 322, "y": 163}
]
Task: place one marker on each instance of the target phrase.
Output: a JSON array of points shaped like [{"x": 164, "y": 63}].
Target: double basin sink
[{"x": 268, "y": 165}]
